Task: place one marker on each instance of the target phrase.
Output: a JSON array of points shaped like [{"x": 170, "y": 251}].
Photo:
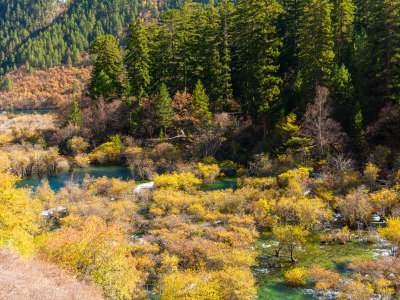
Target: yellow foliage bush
[
  {"x": 19, "y": 215},
  {"x": 324, "y": 279},
  {"x": 295, "y": 181},
  {"x": 229, "y": 284},
  {"x": 344, "y": 235},
  {"x": 183, "y": 181},
  {"x": 263, "y": 214},
  {"x": 371, "y": 174},
  {"x": 384, "y": 200},
  {"x": 99, "y": 251},
  {"x": 257, "y": 183},
  {"x": 203, "y": 205},
  {"x": 296, "y": 277},
  {"x": 81, "y": 160},
  {"x": 106, "y": 152},
  {"x": 208, "y": 173},
  {"x": 391, "y": 233}
]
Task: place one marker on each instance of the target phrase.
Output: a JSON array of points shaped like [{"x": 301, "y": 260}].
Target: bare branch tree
[{"x": 317, "y": 124}]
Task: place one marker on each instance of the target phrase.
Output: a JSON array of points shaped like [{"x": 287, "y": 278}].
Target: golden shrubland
[
  {"x": 183, "y": 241},
  {"x": 43, "y": 89}
]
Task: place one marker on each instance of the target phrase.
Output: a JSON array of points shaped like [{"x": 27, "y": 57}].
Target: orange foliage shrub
[
  {"x": 99, "y": 251},
  {"x": 44, "y": 89}
]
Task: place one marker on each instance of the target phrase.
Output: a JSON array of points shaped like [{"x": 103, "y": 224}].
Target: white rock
[{"x": 142, "y": 186}]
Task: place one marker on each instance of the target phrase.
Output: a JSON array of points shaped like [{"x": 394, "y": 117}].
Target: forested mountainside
[{"x": 45, "y": 33}]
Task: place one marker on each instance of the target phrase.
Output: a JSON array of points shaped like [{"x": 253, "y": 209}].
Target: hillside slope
[
  {"x": 46, "y": 33},
  {"x": 22, "y": 279},
  {"x": 43, "y": 89}
]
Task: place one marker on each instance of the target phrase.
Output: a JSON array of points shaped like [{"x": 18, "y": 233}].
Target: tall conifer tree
[
  {"x": 256, "y": 45},
  {"x": 164, "y": 108},
  {"x": 316, "y": 44},
  {"x": 383, "y": 30},
  {"x": 137, "y": 59},
  {"x": 343, "y": 15},
  {"x": 225, "y": 11},
  {"x": 107, "y": 68},
  {"x": 201, "y": 104},
  {"x": 75, "y": 116}
]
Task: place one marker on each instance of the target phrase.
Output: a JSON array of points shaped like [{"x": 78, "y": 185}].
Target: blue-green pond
[{"x": 58, "y": 181}]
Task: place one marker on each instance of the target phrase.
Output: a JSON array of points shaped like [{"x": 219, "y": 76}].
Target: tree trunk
[
  {"x": 291, "y": 255},
  {"x": 265, "y": 128}
]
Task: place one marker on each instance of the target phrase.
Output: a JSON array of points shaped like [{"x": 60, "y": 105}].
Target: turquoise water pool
[{"x": 58, "y": 181}]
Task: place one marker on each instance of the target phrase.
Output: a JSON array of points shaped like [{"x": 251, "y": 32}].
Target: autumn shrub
[
  {"x": 370, "y": 174},
  {"x": 107, "y": 152},
  {"x": 378, "y": 273},
  {"x": 230, "y": 284},
  {"x": 207, "y": 173},
  {"x": 295, "y": 181},
  {"x": 188, "y": 285},
  {"x": 139, "y": 163},
  {"x": 325, "y": 279},
  {"x": 383, "y": 287},
  {"x": 81, "y": 160},
  {"x": 303, "y": 210},
  {"x": 165, "y": 157},
  {"x": 203, "y": 205},
  {"x": 391, "y": 233},
  {"x": 24, "y": 160},
  {"x": 99, "y": 251},
  {"x": 263, "y": 214},
  {"x": 261, "y": 166},
  {"x": 384, "y": 200},
  {"x": 296, "y": 277},
  {"x": 184, "y": 181},
  {"x": 46, "y": 196},
  {"x": 214, "y": 245},
  {"x": 77, "y": 144},
  {"x": 209, "y": 160},
  {"x": 327, "y": 238},
  {"x": 110, "y": 199},
  {"x": 372, "y": 236},
  {"x": 228, "y": 164},
  {"x": 19, "y": 215},
  {"x": 355, "y": 207},
  {"x": 257, "y": 183},
  {"x": 358, "y": 290},
  {"x": 344, "y": 235},
  {"x": 207, "y": 259}
]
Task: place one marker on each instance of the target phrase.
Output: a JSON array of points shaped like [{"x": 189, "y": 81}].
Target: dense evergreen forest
[
  {"x": 264, "y": 59},
  {"x": 45, "y": 33}
]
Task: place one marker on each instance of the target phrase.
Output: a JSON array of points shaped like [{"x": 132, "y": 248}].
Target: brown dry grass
[{"x": 33, "y": 279}]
